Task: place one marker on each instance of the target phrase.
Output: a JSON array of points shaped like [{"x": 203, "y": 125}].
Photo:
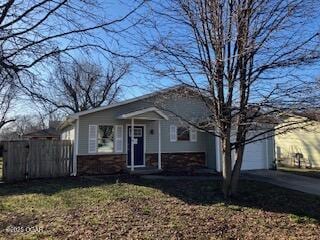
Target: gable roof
[
  {"x": 139, "y": 114},
  {"x": 76, "y": 115},
  {"x": 49, "y": 132}
]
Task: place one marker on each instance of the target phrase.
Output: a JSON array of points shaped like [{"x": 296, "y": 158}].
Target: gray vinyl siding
[
  {"x": 184, "y": 107},
  {"x": 107, "y": 117},
  {"x": 171, "y": 147}
]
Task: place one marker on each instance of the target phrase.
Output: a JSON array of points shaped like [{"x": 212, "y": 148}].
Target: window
[
  {"x": 137, "y": 132},
  {"x": 183, "y": 134},
  {"x": 105, "y": 139}
]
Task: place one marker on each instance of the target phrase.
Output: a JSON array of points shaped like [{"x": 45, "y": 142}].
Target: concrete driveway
[{"x": 286, "y": 180}]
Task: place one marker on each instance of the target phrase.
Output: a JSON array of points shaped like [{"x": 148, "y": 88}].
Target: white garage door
[{"x": 255, "y": 156}]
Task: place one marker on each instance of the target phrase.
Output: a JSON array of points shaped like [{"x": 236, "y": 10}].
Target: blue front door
[{"x": 138, "y": 146}]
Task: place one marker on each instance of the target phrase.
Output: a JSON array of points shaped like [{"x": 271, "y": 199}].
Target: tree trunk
[
  {"x": 236, "y": 170},
  {"x": 226, "y": 167}
]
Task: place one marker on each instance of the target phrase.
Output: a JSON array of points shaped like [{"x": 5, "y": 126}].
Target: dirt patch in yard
[{"x": 133, "y": 208}]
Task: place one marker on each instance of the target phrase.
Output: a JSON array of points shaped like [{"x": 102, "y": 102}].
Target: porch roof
[{"x": 151, "y": 113}]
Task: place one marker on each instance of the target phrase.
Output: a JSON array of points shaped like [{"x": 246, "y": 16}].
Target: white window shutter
[
  {"x": 173, "y": 133},
  {"x": 193, "y": 134},
  {"x": 119, "y": 139},
  {"x": 92, "y": 145}
]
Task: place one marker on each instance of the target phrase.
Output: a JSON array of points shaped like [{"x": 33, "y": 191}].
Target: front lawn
[{"x": 133, "y": 208}]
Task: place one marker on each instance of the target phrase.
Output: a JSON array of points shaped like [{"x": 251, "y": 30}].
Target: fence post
[{"x": 27, "y": 146}]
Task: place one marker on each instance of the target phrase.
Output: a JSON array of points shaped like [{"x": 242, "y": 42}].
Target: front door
[{"x": 138, "y": 146}]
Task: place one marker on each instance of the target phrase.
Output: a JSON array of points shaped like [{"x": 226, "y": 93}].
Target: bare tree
[
  {"x": 75, "y": 87},
  {"x": 8, "y": 93},
  {"x": 243, "y": 56},
  {"x": 32, "y": 32},
  {"x": 21, "y": 125}
]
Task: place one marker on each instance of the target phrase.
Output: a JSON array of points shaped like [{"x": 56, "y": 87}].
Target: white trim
[
  {"x": 75, "y": 148},
  {"x": 144, "y": 143},
  {"x": 142, "y": 111},
  {"x": 76, "y": 115}
]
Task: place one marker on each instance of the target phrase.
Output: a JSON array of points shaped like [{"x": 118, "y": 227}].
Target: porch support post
[
  {"x": 159, "y": 145},
  {"x": 132, "y": 144}
]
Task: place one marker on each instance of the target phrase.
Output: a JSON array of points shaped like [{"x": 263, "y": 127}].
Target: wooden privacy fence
[{"x": 29, "y": 159}]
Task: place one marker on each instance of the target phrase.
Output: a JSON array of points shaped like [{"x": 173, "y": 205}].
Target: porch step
[
  {"x": 145, "y": 171},
  {"x": 205, "y": 170}
]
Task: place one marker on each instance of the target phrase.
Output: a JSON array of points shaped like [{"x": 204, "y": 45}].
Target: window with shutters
[
  {"x": 183, "y": 133},
  {"x": 105, "y": 139}
]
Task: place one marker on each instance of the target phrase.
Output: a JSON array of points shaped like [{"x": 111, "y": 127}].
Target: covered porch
[{"x": 136, "y": 137}]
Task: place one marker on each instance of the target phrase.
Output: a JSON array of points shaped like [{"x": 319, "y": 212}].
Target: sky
[
  {"x": 133, "y": 85},
  {"x": 138, "y": 81}
]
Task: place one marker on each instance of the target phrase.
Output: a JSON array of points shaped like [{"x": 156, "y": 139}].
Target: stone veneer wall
[
  {"x": 177, "y": 161},
  {"x": 101, "y": 164},
  {"x": 116, "y": 163}
]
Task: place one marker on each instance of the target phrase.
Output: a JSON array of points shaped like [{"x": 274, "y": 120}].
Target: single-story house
[
  {"x": 51, "y": 133},
  {"x": 298, "y": 144},
  {"x": 162, "y": 136}
]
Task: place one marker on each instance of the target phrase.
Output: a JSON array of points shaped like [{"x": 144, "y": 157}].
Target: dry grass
[{"x": 132, "y": 208}]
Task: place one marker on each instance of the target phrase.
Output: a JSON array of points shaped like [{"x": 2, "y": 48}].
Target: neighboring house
[
  {"x": 10, "y": 136},
  {"x": 52, "y": 132},
  {"x": 301, "y": 143},
  {"x": 161, "y": 139}
]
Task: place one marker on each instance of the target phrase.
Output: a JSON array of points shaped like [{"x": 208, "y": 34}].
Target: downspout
[{"x": 75, "y": 148}]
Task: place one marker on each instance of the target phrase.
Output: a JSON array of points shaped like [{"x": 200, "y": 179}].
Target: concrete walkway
[
  {"x": 286, "y": 180},
  {"x": 162, "y": 177}
]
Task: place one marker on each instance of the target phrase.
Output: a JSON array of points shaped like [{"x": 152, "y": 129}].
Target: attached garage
[{"x": 257, "y": 155}]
